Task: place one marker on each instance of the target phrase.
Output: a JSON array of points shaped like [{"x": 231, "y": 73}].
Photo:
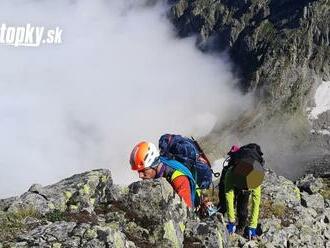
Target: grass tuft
[{"x": 14, "y": 223}]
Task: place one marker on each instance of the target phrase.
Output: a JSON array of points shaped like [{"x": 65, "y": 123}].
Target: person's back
[
  {"x": 180, "y": 183},
  {"x": 188, "y": 152},
  {"x": 241, "y": 198},
  {"x": 238, "y": 188}
]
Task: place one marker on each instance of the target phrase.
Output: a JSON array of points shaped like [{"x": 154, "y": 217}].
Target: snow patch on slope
[{"x": 322, "y": 100}]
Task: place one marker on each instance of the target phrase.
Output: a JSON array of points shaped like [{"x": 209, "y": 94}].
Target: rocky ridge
[
  {"x": 280, "y": 48},
  {"x": 88, "y": 210},
  {"x": 280, "y": 51}
]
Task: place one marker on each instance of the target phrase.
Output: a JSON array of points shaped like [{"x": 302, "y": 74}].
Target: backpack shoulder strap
[
  {"x": 184, "y": 171},
  {"x": 176, "y": 174},
  {"x": 176, "y": 165}
]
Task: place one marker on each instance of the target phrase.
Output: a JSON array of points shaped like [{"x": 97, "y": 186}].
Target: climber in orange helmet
[{"x": 146, "y": 160}]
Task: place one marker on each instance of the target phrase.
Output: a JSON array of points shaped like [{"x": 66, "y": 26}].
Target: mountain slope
[{"x": 280, "y": 48}]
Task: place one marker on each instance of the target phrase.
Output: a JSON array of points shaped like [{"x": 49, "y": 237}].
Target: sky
[{"x": 120, "y": 76}]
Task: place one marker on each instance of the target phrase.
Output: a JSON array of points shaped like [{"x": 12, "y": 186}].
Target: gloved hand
[
  {"x": 231, "y": 228},
  {"x": 251, "y": 233},
  {"x": 211, "y": 210}
]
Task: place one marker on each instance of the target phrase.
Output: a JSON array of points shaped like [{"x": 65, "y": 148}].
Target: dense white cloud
[{"x": 120, "y": 76}]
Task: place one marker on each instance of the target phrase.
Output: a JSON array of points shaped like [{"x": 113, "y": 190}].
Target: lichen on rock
[{"x": 150, "y": 214}]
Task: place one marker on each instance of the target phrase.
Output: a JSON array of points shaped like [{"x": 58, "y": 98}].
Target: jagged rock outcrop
[
  {"x": 76, "y": 194},
  {"x": 302, "y": 225},
  {"x": 279, "y": 47},
  {"x": 150, "y": 214},
  {"x": 290, "y": 216},
  {"x": 87, "y": 210}
]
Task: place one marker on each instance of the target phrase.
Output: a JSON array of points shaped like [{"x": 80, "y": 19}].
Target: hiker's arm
[
  {"x": 181, "y": 186},
  {"x": 256, "y": 197},
  {"x": 229, "y": 192}
]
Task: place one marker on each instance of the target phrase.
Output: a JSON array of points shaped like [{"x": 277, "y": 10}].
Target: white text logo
[{"x": 29, "y": 36}]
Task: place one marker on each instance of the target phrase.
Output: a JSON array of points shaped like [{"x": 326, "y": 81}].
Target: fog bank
[{"x": 120, "y": 76}]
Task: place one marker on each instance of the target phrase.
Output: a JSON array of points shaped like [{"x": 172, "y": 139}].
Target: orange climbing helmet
[{"x": 144, "y": 155}]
